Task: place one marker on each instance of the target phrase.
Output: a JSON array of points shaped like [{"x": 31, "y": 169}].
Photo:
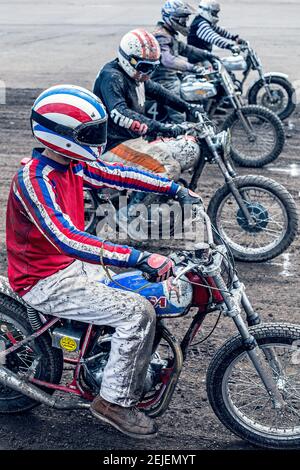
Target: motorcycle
[
  {"x": 258, "y": 135},
  {"x": 272, "y": 90},
  {"x": 252, "y": 381},
  {"x": 254, "y": 215}
]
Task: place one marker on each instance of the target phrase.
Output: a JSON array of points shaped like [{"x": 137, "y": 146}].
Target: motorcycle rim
[
  {"x": 239, "y": 397},
  {"x": 269, "y": 214}
]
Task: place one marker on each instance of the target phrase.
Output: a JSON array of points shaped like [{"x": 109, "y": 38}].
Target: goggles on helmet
[
  {"x": 146, "y": 67},
  {"x": 215, "y": 12}
]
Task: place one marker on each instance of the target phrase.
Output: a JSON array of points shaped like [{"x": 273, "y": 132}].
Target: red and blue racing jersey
[{"x": 45, "y": 217}]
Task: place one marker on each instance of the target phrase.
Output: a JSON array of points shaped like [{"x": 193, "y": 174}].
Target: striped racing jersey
[{"x": 45, "y": 217}]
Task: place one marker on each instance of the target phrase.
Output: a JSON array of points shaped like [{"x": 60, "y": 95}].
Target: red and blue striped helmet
[{"x": 70, "y": 121}]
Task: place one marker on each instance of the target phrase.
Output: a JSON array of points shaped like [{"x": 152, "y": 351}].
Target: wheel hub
[
  {"x": 259, "y": 215},
  {"x": 275, "y": 101}
]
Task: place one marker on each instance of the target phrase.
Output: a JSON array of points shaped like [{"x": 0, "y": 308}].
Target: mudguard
[
  {"x": 5, "y": 289},
  {"x": 266, "y": 75}
]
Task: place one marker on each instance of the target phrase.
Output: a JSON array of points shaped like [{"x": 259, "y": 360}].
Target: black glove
[
  {"x": 171, "y": 130},
  {"x": 199, "y": 69},
  {"x": 194, "y": 109},
  {"x": 241, "y": 41},
  {"x": 186, "y": 196},
  {"x": 156, "y": 267},
  {"x": 235, "y": 49}
]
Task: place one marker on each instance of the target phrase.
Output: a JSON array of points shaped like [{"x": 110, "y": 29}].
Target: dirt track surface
[
  {"x": 273, "y": 287},
  {"x": 189, "y": 423}
]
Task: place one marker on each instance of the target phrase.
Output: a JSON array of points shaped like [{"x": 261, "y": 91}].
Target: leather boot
[{"x": 130, "y": 421}]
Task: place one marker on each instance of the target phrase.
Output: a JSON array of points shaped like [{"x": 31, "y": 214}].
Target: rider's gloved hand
[
  {"x": 156, "y": 267},
  {"x": 240, "y": 41},
  {"x": 213, "y": 59},
  {"x": 172, "y": 130},
  {"x": 186, "y": 196},
  {"x": 235, "y": 49},
  {"x": 195, "y": 109},
  {"x": 199, "y": 69}
]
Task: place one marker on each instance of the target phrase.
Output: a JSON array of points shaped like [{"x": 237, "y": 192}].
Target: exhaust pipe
[{"x": 12, "y": 380}]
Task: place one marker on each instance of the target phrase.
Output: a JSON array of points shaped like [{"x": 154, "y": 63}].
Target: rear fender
[{"x": 5, "y": 289}]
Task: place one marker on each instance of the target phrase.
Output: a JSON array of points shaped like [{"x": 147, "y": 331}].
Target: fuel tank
[
  {"x": 167, "y": 300},
  {"x": 195, "y": 89},
  {"x": 234, "y": 63}
]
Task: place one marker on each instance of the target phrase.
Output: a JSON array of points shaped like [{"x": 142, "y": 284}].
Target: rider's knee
[
  {"x": 174, "y": 171},
  {"x": 143, "y": 315}
]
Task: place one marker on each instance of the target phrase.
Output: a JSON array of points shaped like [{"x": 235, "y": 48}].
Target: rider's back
[
  {"x": 31, "y": 255},
  {"x": 114, "y": 87},
  {"x": 167, "y": 41}
]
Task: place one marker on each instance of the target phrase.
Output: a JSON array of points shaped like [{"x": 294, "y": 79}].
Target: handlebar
[
  {"x": 210, "y": 242},
  {"x": 245, "y": 47}
]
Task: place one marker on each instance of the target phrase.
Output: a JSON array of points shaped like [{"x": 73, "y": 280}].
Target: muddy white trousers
[{"x": 75, "y": 293}]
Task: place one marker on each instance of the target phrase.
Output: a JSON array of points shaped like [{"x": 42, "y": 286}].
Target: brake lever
[{"x": 183, "y": 271}]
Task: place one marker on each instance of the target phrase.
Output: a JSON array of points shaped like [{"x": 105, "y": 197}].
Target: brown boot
[{"x": 129, "y": 421}]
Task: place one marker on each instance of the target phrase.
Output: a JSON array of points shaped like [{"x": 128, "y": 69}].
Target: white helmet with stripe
[
  {"x": 139, "y": 54},
  {"x": 210, "y": 9},
  {"x": 70, "y": 121}
]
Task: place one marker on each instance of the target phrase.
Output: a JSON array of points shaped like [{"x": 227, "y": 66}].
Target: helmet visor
[{"x": 93, "y": 134}]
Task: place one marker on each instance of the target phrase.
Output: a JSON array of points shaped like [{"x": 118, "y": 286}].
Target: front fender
[
  {"x": 266, "y": 75},
  {"x": 5, "y": 289}
]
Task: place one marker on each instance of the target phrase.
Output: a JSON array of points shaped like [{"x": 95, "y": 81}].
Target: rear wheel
[
  {"x": 38, "y": 359},
  {"x": 90, "y": 211},
  {"x": 259, "y": 145},
  {"x": 239, "y": 398}
]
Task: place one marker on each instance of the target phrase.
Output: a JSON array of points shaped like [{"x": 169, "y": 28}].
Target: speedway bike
[
  {"x": 256, "y": 216},
  {"x": 252, "y": 381},
  {"x": 257, "y": 134},
  {"x": 272, "y": 90}
]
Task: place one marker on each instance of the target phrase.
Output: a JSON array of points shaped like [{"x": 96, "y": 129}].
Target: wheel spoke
[{"x": 248, "y": 399}]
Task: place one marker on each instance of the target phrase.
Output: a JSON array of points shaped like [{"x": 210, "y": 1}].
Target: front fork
[
  {"x": 255, "y": 354},
  {"x": 229, "y": 174},
  {"x": 267, "y": 86}
]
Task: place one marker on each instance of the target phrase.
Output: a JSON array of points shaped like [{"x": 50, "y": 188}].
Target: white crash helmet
[
  {"x": 210, "y": 10},
  {"x": 70, "y": 121},
  {"x": 175, "y": 14},
  {"x": 139, "y": 54}
]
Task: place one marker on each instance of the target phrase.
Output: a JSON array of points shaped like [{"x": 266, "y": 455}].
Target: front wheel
[
  {"x": 273, "y": 213},
  {"x": 282, "y": 100},
  {"x": 239, "y": 398},
  {"x": 257, "y": 138}
]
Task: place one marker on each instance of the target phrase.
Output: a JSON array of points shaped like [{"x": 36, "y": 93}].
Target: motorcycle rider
[
  {"x": 56, "y": 267},
  {"x": 205, "y": 33},
  {"x": 176, "y": 55},
  {"x": 123, "y": 85}
]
